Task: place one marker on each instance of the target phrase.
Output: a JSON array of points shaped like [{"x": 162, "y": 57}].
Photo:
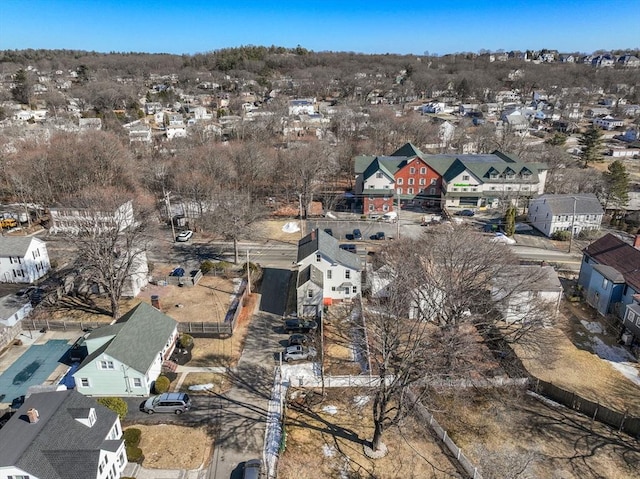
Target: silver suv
[
  {"x": 293, "y": 353},
  {"x": 176, "y": 403}
]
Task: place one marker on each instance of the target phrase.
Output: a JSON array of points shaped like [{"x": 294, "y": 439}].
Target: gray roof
[
  {"x": 320, "y": 242},
  {"x": 610, "y": 273},
  {"x": 530, "y": 278},
  {"x": 11, "y": 304},
  {"x": 310, "y": 273},
  {"x": 586, "y": 204},
  {"x": 57, "y": 446},
  {"x": 15, "y": 245},
  {"x": 143, "y": 333}
]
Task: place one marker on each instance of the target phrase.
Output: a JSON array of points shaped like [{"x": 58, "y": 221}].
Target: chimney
[
  {"x": 313, "y": 235},
  {"x": 636, "y": 241},
  {"x": 155, "y": 301},
  {"x": 33, "y": 416}
]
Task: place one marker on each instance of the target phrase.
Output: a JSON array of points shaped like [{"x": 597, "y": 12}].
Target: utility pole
[
  {"x": 248, "y": 273},
  {"x": 573, "y": 222},
  {"x": 170, "y": 214},
  {"x": 300, "y": 210},
  {"x": 398, "y": 219}
]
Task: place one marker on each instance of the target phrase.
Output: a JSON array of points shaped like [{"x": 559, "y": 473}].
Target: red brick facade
[
  {"x": 377, "y": 204},
  {"x": 417, "y": 178}
]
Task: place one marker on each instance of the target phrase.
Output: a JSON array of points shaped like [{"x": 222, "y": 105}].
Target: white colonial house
[
  {"x": 69, "y": 220},
  {"x": 551, "y": 213},
  {"x": 14, "y": 308},
  {"x": 302, "y": 106},
  {"x": 320, "y": 256},
  {"x": 607, "y": 122},
  {"x": 23, "y": 259},
  {"x": 62, "y": 435}
]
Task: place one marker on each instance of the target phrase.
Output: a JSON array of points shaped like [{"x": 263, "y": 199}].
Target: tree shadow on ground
[{"x": 79, "y": 303}]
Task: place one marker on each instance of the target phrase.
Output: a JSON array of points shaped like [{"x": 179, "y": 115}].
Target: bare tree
[
  {"x": 430, "y": 311},
  {"x": 110, "y": 255}
]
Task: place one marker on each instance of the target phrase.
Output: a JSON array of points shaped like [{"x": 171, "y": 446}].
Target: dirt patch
[
  {"x": 338, "y": 348},
  {"x": 509, "y": 431},
  {"x": 326, "y": 440},
  {"x": 272, "y": 230},
  {"x": 225, "y": 352},
  {"x": 174, "y": 447},
  {"x": 207, "y": 301}
]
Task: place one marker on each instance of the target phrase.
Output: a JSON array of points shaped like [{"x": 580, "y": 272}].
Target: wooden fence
[
  {"x": 60, "y": 325},
  {"x": 218, "y": 328},
  {"x": 623, "y": 422}
]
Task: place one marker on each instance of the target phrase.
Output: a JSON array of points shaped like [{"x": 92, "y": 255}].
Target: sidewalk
[{"x": 139, "y": 472}]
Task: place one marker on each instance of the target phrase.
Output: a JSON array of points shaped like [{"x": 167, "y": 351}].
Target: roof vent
[{"x": 33, "y": 416}]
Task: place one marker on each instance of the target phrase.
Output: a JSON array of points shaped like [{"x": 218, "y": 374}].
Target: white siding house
[
  {"x": 340, "y": 269},
  {"x": 125, "y": 358},
  {"x": 23, "y": 259},
  {"x": 69, "y": 220},
  {"x": 551, "y": 213},
  {"x": 13, "y": 308}
]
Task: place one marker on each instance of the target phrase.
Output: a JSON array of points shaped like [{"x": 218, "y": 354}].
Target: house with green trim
[{"x": 125, "y": 358}]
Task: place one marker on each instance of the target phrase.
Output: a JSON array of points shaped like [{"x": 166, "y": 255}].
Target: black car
[
  {"x": 377, "y": 236},
  {"x": 329, "y": 231},
  {"x": 296, "y": 325},
  {"x": 357, "y": 234},
  {"x": 298, "y": 339},
  {"x": 466, "y": 213}
]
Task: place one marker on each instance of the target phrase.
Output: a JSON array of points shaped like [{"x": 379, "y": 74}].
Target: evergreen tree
[
  {"x": 616, "y": 181},
  {"x": 591, "y": 143},
  {"x": 510, "y": 221},
  {"x": 22, "y": 87}
]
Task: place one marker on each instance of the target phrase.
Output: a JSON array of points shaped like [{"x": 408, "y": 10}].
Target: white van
[{"x": 390, "y": 217}]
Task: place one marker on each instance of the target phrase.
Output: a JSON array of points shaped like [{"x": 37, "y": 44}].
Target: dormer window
[
  {"x": 85, "y": 416},
  {"x": 378, "y": 175}
]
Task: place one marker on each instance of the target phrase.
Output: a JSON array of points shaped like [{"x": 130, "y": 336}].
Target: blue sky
[{"x": 445, "y": 26}]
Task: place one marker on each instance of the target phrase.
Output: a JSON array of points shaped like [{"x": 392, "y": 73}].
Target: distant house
[
  {"x": 23, "y": 259},
  {"x": 69, "y": 220},
  {"x": 551, "y": 213},
  {"x": 140, "y": 134},
  {"x": 176, "y": 131},
  {"x": 125, "y": 358},
  {"x": 629, "y": 61},
  {"x": 539, "y": 286},
  {"x": 610, "y": 278},
  {"x": 90, "y": 124},
  {"x": 340, "y": 269},
  {"x": 302, "y": 106},
  {"x": 309, "y": 291},
  {"x": 14, "y": 308},
  {"x": 62, "y": 435},
  {"x": 607, "y": 122}
]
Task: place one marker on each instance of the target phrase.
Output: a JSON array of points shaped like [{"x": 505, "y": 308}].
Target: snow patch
[
  {"x": 361, "y": 400},
  {"x": 201, "y": 387},
  {"x": 615, "y": 354},
  {"x": 629, "y": 371},
  {"x": 328, "y": 450},
  {"x": 330, "y": 409},
  {"x": 592, "y": 326},
  {"x": 291, "y": 227}
]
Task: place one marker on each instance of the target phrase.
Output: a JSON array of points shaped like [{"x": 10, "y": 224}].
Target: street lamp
[{"x": 170, "y": 214}]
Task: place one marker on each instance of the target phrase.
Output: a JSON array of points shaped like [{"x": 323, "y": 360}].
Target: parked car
[
  {"x": 357, "y": 234},
  {"x": 377, "y": 236},
  {"x": 329, "y": 231},
  {"x": 299, "y": 339},
  {"x": 297, "y": 353},
  {"x": 300, "y": 325},
  {"x": 466, "y": 213},
  {"x": 349, "y": 247},
  {"x": 176, "y": 403},
  {"x": 349, "y": 237},
  {"x": 252, "y": 469},
  {"x": 502, "y": 238},
  {"x": 184, "y": 236}
]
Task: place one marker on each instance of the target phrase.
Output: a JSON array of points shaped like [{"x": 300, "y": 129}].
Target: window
[
  {"x": 423, "y": 171},
  {"x": 432, "y": 191},
  {"x": 493, "y": 188},
  {"x": 410, "y": 182},
  {"x": 137, "y": 382},
  {"x": 318, "y": 258},
  {"x": 410, "y": 191},
  {"x": 355, "y": 289},
  {"x": 605, "y": 283},
  {"x": 329, "y": 273},
  {"x": 423, "y": 181},
  {"x": 399, "y": 181},
  {"x": 465, "y": 177},
  {"x": 333, "y": 288},
  {"x": 372, "y": 186},
  {"x": 493, "y": 176},
  {"x": 347, "y": 274},
  {"x": 105, "y": 364},
  {"x": 370, "y": 207},
  {"x": 399, "y": 191},
  {"x": 310, "y": 293},
  {"x": 378, "y": 175},
  {"x": 433, "y": 181},
  {"x": 84, "y": 382},
  {"x": 92, "y": 417},
  {"x": 412, "y": 171},
  {"x": 385, "y": 207}
]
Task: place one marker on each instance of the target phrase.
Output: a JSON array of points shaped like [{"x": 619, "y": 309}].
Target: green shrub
[
  {"x": 206, "y": 266},
  {"x": 134, "y": 454},
  {"x": 186, "y": 341},
  {"x": 117, "y": 405},
  {"x": 563, "y": 235},
  {"x": 161, "y": 385},
  {"x": 131, "y": 436}
]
